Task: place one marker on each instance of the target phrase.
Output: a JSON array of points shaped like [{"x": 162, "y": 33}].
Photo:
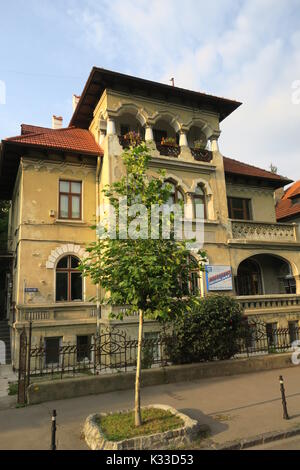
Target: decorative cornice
[{"x": 171, "y": 163}]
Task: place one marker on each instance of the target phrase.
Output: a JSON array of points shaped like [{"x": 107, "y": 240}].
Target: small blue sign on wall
[
  {"x": 31, "y": 289},
  {"x": 218, "y": 278}
]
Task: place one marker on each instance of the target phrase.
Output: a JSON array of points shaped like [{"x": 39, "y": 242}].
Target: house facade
[{"x": 55, "y": 177}]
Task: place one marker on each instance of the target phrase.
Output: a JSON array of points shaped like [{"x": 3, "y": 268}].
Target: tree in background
[{"x": 145, "y": 274}]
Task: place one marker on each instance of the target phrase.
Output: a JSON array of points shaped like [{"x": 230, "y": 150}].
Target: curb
[{"x": 241, "y": 444}]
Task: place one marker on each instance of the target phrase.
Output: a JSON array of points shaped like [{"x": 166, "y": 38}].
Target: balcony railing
[
  {"x": 168, "y": 150},
  {"x": 202, "y": 155},
  {"x": 272, "y": 301},
  {"x": 57, "y": 312},
  {"x": 263, "y": 231}
]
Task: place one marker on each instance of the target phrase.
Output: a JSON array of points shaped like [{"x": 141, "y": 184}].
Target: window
[
  {"x": 239, "y": 208},
  {"x": 176, "y": 195},
  {"x": 191, "y": 285},
  {"x": 83, "y": 348},
  {"x": 271, "y": 330},
  {"x": 199, "y": 203},
  {"x": 159, "y": 134},
  {"x": 152, "y": 347},
  {"x": 68, "y": 280},
  {"x": 70, "y": 200},
  {"x": 248, "y": 280},
  {"x": 293, "y": 331},
  {"x": 124, "y": 128},
  {"x": 289, "y": 285},
  {"x": 52, "y": 346}
]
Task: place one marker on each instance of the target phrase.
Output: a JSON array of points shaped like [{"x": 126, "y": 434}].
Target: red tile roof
[
  {"x": 68, "y": 139},
  {"x": 29, "y": 129},
  {"x": 240, "y": 168},
  {"x": 285, "y": 208}
]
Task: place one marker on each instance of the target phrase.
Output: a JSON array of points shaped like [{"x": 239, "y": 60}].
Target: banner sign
[{"x": 218, "y": 278}]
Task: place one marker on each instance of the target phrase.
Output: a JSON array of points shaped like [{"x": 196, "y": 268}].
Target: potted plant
[
  {"x": 170, "y": 141},
  {"x": 199, "y": 144},
  {"x": 132, "y": 138}
]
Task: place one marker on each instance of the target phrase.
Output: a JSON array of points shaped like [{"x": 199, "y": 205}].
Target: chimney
[
  {"x": 75, "y": 100},
  {"x": 57, "y": 122}
]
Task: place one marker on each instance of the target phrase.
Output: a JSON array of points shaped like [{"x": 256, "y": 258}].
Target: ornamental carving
[{"x": 263, "y": 231}]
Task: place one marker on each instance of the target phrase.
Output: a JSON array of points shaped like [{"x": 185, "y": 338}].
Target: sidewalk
[{"x": 234, "y": 408}]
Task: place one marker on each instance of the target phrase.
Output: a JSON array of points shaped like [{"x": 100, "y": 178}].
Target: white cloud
[{"x": 242, "y": 49}]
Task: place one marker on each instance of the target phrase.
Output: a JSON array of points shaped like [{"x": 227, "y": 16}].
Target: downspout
[{"x": 98, "y": 174}]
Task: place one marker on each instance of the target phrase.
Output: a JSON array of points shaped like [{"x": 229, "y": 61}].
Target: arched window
[
  {"x": 176, "y": 195},
  {"x": 68, "y": 280},
  {"x": 199, "y": 202}
]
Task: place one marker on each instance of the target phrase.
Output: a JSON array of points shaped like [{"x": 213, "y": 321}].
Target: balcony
[
  {"x": 168, "y": 150},
  {"x": 263, "y": 231},
  {"x": 58, "y": 313},
  {"x": 202, "y": 155}
]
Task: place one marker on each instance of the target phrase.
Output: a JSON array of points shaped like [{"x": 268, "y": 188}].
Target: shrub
[{"x": 213, "y": 329}]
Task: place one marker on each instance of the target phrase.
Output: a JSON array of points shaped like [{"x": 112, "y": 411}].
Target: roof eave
[{"x": 231, "y": 105}]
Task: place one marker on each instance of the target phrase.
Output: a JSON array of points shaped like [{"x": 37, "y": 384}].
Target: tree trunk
[{"x": 138, "y": 417}]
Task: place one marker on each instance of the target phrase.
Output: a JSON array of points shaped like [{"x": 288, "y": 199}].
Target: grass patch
[
  {"x": 119, "y": 426},
  {"x": 12, "y": 388}
]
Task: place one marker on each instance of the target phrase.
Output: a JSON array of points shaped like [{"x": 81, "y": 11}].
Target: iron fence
[
  {"x": 114, "y": 351},
  {"x": 110, "y": 351}
]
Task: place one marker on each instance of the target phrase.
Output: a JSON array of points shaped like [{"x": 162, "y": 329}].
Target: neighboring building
[
  {"x": 288, "y": 207},
  {"x": 54, "y": 178}
]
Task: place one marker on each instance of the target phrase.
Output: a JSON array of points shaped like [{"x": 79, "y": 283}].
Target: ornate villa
[{"x": 54, "y": 179}]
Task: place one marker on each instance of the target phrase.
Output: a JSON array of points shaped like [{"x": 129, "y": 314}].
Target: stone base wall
[{"x": 68, "y": 388}]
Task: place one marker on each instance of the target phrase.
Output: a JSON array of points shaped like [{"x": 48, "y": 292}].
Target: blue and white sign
[{"x": 218, "y": 278}]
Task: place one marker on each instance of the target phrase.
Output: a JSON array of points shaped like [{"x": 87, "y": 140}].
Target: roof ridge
[{"x": 35, "y": 134}]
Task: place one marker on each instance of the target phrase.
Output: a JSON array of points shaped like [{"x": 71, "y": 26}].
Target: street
[{"x": 234, "y": 407}]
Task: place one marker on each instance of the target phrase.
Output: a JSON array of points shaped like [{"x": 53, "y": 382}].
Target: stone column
[
  {"x": 183, "y": 140},
  {"x": 101, "y": 136},
  {"x": 189, "y": 207},
  {"x": 149, "y": 134},
  {"x": 111, "y": 126},
  {"x": 214, "y": 142}
]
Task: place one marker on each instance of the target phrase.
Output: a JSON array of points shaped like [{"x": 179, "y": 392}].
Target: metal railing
[{"x": 114, "y": 351}]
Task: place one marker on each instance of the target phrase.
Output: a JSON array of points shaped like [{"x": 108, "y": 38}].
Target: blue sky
[{"x": 242, "y": 49}]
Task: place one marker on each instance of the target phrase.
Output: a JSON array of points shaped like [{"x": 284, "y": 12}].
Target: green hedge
[{"x": 212, "y": 330}]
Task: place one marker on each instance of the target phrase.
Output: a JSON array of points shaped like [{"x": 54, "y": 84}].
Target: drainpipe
[{"x": 98, "y": 174}]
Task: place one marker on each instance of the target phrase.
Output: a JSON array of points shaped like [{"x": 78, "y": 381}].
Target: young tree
[{"x": 143, "y": 273}]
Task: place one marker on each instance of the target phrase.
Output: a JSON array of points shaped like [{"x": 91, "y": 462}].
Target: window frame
[
  {"x": 247, "y": 210},
  {"x": 68, "y": 270},
  {"x": 70, "y": 195},
  {"x": 177, "y": 190},
  {"x": 201, "y": 197}
]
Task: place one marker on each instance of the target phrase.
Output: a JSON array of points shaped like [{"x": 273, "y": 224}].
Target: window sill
[{"x": 70, "y": 221}]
